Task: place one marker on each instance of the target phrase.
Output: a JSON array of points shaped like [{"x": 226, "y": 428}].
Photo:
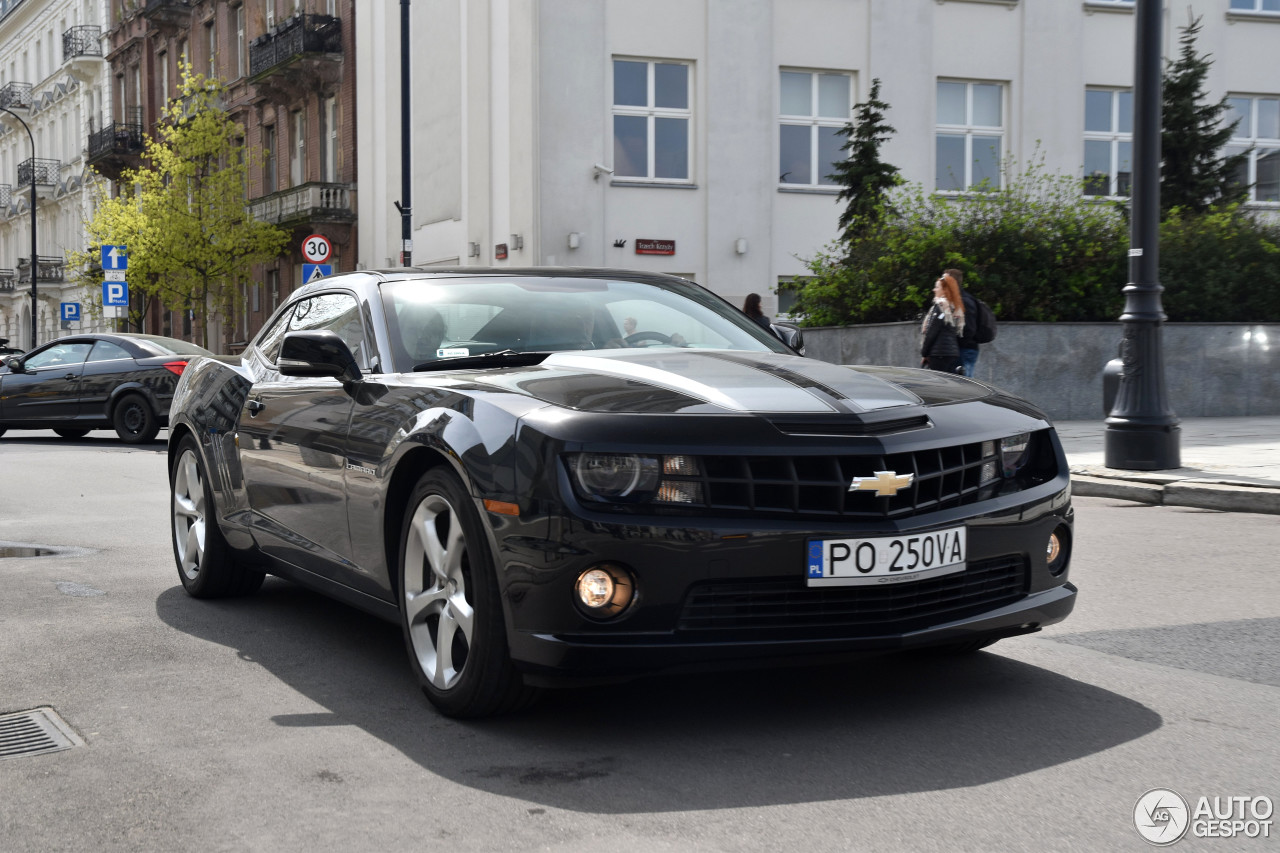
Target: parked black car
[
  {"x": 5, "y": 349},
  {"x": 487, "y": 458},
  {"x": 95, "y": 381}
]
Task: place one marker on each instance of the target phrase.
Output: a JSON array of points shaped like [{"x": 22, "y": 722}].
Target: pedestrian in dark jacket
[
  {"x": 968, "y": 343},
  {"x": 943, "y": 324},
  {"x": 753, "y": 310}
]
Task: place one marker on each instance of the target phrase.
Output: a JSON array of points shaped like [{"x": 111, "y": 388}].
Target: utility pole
[
  {"x": 1142, "y": 431},
  {"x": 34, "y": 257}
]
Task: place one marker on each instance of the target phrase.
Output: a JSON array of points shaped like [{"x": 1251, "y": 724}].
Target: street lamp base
[{"x": 1143, "y": 447}]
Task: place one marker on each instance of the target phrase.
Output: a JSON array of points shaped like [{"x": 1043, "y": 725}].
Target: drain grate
[{"x": 34, "y": 733}]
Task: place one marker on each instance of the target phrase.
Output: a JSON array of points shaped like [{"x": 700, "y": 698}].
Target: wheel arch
[
  {"x": 123, "y": 390},
  {"x": 411, "y": 467}
]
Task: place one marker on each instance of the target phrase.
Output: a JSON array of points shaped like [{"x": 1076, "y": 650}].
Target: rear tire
[
  {"x": 69, "y": 433},
  {"x": 206, "y": 565},
  {"x": 134, "y": 420},
  {"x": 450, "y": 606}
]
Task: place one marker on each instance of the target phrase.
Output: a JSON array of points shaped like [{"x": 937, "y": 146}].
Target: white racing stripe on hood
[{"x": 732, "y": 385}]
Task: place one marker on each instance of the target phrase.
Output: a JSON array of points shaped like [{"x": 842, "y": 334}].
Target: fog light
[
  {"x": 595, "y": 588},
  {"x": 1057, "y": 550},
  {"x": 605, "y": 590}
]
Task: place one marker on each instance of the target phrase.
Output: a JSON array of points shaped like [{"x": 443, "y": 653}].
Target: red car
[{"x": 100, "y": 381}]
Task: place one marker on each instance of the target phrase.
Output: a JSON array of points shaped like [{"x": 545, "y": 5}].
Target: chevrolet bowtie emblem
[{"x": 885, "y": 483}]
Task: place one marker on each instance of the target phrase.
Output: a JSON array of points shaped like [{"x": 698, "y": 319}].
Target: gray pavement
[{"x": 1228, "y": 464}]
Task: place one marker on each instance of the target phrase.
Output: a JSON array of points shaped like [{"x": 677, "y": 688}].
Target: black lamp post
[
  {"x": 34, "y": 258},
  {"x": 1142, "y": 431}
]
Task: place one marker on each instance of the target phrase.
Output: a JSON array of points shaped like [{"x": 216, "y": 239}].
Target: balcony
[
  {"x": 302, "y": 51},
  {"x": 8, "y": 281},
  {"x": 82, "y": 52},
  {"x": 6, "y": 198},
  {"x": 168, "y": 12},
  {"x": 15, "y": 96},
  {"x": 45, "y": 171},
  {"x": 314, "y": 202},
  {"x": 51, "y": 270},
  {"x": 118, "y": 146}
]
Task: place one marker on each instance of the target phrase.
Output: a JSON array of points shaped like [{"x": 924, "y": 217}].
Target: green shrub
[{"x": 1221, "y": 266}]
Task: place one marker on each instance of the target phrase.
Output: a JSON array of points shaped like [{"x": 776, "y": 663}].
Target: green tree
[
  {"x": 865, "y": 178},
  {"x": 183, "y": 214},
  {"x": 1192, "y": 174}
]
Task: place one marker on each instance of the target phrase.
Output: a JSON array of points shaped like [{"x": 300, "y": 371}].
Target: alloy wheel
[
  {"x": 439, "y": 612},
  {"x": 189, "y": 514}
]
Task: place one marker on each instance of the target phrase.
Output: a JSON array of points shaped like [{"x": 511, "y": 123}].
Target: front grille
[
  {"x": 818, "y": 486},
  {"x": 789, "y": 607}
]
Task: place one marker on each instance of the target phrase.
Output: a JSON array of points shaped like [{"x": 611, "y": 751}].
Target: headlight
[
  {"x": 1013, "y": 452},
  {"x": 637, "y": 478}
]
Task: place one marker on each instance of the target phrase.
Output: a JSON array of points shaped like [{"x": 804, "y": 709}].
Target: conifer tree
[
  {"x": 1193, "y": 175},
  {"x": 865, "y": 179}
]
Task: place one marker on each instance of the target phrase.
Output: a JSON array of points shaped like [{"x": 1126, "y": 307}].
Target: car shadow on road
[{"x": 890, "y": 725}]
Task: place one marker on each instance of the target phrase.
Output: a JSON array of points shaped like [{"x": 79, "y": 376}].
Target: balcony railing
[
  {"x": 84, "y": 40},
  {"x": 15, "y": 96},
  {"x": 329, "y": 202},
  {"x": 51, "y": 270},
  {"x": 6, "y": 197},
  {"x": 168, "y": 11},
  {"x": 8, "y": 281},
  {"x": 298, "y": 36},
  {"x": 46, "y": 172},
  {"x": 118, "y": 137}
]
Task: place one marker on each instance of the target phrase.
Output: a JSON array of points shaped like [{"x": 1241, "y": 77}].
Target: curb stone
[{"x": 1226, "y": 497}]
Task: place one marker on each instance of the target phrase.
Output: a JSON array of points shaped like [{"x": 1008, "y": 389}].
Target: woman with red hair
[{"x": 943, "y": 324}]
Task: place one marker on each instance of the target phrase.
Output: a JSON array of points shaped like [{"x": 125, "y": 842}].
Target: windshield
[{"x": 443, "y": 318}]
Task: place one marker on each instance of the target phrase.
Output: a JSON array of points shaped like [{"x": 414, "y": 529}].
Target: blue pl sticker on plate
[{"x": 815, "y": 559}]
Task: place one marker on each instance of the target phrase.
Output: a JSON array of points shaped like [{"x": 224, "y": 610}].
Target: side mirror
[
  {"x": 320, "y": 353},
  {"x": 14, "y": 364},
  {"x": 789, "y": 335}
]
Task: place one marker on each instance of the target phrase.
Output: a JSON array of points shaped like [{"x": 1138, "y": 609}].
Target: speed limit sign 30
[{"x": 316, "y": 249}]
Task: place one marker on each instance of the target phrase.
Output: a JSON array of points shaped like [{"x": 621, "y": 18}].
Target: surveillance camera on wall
[{"x": 599, "y": 170}]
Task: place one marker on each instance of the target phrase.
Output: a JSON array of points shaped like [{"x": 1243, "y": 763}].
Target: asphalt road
[{"x": 286, "y": 722}]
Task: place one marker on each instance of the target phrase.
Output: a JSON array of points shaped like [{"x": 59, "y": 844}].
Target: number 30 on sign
[{"x": 316, "y": 249}]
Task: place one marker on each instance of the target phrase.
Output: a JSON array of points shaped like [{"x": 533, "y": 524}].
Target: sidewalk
[{"x": 1229, "y": 464}]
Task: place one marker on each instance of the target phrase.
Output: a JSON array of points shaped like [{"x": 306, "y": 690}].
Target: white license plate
[{"x": 886, "y": 559}]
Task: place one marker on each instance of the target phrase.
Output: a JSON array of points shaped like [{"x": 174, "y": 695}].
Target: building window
[
  {"x": 1255, "y": 5},
  {"x": 813, "y": 106},
  {"x": 255, "y": 297},
  {"x": 652, "y": 120},
  {"x": 240, "y": 51},
  {"x": 271, "y": 13},
  {"x": 1108, "y": 142},
  {"x": 273, "y": 289},
  {"x": 970, "y": 135},
  {"x": 329, "y": 139},
  {"x": 298, "y": 162},
  {"x": 162, "y": 60},
  {"x": 1259, "y": 129},
  {"x": 211, "y": 39},
  {"x": 268, "y": 159}
]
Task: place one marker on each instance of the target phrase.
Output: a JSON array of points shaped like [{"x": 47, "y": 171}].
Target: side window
[
  {"x": 107, "y": 351},
  {"x": 336, "y": 312},
  {"x": 60, "y": 355}
]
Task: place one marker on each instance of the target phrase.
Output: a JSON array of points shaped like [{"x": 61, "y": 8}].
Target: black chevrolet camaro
[{"x": 548, "y": 476}]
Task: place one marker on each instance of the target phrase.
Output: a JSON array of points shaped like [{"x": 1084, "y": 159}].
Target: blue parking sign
[
  {"x": 71, "y": 311},
  {"x": 115, "y": 294}
]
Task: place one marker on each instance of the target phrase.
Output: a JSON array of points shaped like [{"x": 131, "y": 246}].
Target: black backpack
[{"x": 984, "y": 330}]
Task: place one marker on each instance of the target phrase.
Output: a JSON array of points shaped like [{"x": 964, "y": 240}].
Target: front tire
[
  {"x": 206, "y": 565},
  {"x": 134, "y": 420},
  {"x": 450, "y": 606},
  {"x": 69, "y": 433}
]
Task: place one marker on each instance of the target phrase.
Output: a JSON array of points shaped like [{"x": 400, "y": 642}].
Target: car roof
[{"x": 395, "y": 274}]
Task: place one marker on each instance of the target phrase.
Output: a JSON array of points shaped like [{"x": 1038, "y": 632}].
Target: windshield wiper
[{"x": 504, "y": 358}]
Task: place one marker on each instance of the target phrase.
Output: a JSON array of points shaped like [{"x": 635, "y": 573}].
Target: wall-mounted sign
[
  {"x": 655, "y": 247},
  {"x": 500, "y": 251}
]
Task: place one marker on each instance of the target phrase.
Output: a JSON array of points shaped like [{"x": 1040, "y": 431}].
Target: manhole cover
[{"x": 34, "y": 733}]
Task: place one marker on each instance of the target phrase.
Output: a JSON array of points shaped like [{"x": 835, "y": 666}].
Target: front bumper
[{"x": 739, "y": 574}]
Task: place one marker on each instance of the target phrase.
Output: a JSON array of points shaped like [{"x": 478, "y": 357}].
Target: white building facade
[
  {"x": 694, "y": 136},
  {"x": 53, "y": 76}
]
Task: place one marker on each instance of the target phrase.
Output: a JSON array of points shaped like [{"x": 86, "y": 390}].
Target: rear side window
[{"x": 107, "y": 351}]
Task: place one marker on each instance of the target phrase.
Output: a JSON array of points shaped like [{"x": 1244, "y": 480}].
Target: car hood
[{"x": 724, "y": 381}]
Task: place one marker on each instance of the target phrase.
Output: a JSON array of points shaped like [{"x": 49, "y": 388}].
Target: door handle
[
  {"x": 255, "y": 406},
  {"x": 69, "y": 377}
]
